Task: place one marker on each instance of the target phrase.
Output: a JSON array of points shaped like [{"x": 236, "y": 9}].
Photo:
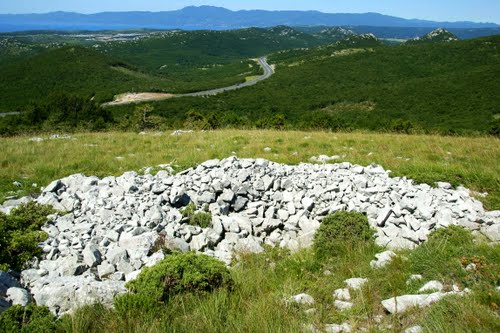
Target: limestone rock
[
  {"x": 18, "y": 296},
  {"x": 431, "y": 286},
  {"x": 356, "y": 283},
  {"x": 342, "y": 294},
  {"x": 401, "y": 304},
  {"x": 304, "y": 299},
  {"x": 383, "y": 259},
  {"x": 342, "y": 305}
]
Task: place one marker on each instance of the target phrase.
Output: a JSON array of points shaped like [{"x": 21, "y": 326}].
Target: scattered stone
[
  {"x": 401, "y": 304},
  {"x": 267, "y": 149},
  {"x": 303, "y": 299},
  {"x": 18, "y": 296},
  {"x": 66, "y": 294},
  {"x": 341, "y": 305},
  {"x": 180, "y": 132},
  {"x": 383, "y": 259},
  {"x": 413, "y": 278},
  {"x": 342, "y": 294},
  {"x": 336, "y": 328},
  {"x": 356, "y": 283},
  {"x": 414, "y": 329},
  {"x": 91, "y": 255},
  {"x": 431, "y": 286},
  {"x": 324, "y": 158}
]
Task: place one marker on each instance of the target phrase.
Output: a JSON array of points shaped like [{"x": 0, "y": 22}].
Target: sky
[{"x": 437, "y": 10}]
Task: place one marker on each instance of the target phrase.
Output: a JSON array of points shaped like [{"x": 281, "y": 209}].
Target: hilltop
[
  {"x": 115, "y": 223},
  {"x": 436, "y": 36}
]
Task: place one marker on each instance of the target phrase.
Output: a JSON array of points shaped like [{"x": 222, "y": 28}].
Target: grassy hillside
[
  {"x": 474, "y": 162},
  {"x": 449, "y": 88}
]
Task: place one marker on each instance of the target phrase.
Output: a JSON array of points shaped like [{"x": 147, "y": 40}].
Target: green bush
[
  {"x": 341, "y": 231},
  {"x": 30, "y": 319},
  {"x": 179, "y": 273},
  {"x": 20, "y": 234},
  {"x": 201, "y": 219}
]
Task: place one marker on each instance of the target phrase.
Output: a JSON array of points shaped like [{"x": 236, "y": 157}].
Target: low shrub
[
  {"x": 20, "y": 234},
  {"x": 341, "y": 231},
  {"x": 201, "y": 219},
  {"x": 30, "y": 319},
  {"x": 180, "y": 273}
]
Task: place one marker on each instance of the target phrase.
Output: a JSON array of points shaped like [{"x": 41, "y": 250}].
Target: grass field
[{"x": 473, "y": 162}]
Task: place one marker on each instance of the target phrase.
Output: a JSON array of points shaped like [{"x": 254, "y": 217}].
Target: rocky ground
[{"x": 114, "y": 226}]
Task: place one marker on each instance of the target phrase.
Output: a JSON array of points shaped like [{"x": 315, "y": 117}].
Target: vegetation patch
[
  {"x": 181, "y": 273},
  {"x": 20, "y": 235},
  {"x": 454, "y": 253},
  {"x": 340, "y": 230},
  {"x": 30, "y": 319},
  {"x": 196, "y": 218}
]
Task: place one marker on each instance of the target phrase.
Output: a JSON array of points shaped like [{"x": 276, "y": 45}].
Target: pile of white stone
[{"x": 114, "y": 225}]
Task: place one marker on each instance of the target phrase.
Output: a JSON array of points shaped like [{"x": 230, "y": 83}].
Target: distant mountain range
[{"x": 208, "y": 17}]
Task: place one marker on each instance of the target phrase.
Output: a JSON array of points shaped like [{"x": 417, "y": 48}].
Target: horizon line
[{"x": 243, "y": 10}]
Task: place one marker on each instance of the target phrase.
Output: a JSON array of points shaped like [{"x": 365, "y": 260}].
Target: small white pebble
[
  {"x": 414, "y": 329},
  {"x": 341, "y": 305}
]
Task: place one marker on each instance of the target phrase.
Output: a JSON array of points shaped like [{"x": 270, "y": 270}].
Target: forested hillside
[{"x": 449, "y": 88}]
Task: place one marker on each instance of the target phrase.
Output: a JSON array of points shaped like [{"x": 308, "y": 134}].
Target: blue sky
[{"x": 440, "y": 10}]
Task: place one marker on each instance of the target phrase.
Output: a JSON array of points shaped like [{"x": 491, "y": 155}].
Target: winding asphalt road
[{"x": 268, "y": 71}]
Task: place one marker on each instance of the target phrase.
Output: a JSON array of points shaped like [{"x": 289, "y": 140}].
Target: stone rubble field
[{"x": 113, "y": 226}]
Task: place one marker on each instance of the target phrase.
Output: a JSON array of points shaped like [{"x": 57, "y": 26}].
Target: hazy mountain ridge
[{"x": 207, "y": 17}]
